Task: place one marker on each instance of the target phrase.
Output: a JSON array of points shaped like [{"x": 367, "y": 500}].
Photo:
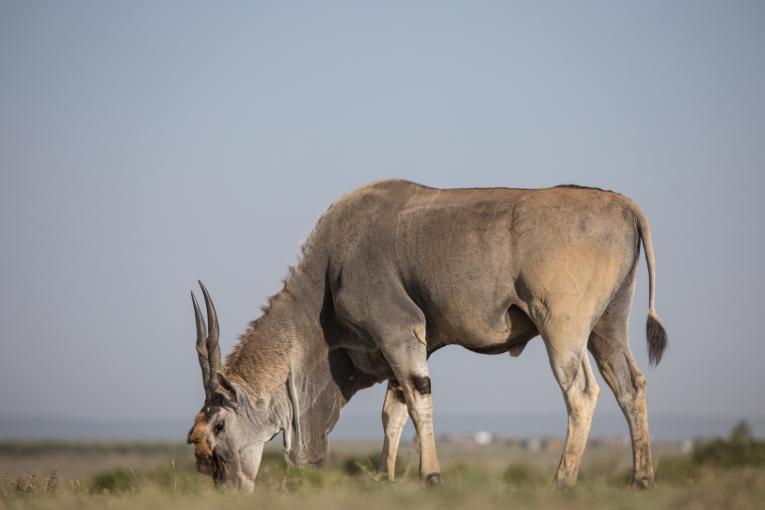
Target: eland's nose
[{"x": 204, "y": 463}]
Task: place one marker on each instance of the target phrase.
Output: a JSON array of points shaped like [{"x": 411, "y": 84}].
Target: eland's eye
[{"x": 219, "y": 426}]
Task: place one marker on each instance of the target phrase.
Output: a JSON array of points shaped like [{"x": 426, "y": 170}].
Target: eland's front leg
[
  {"x": 397, "y": 326},
  {"x": 394, "y": 416}
]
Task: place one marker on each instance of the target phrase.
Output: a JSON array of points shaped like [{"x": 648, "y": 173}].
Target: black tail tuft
[{"x": 657, "y": 339}]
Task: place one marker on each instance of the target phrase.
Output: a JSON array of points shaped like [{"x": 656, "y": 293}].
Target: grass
[
  {"x": 350, "y": 481},
  {"x": 466, "y": 486},
  {"x": 718, "y": 474}
]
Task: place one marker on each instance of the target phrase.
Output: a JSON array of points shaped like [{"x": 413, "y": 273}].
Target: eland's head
[{"x": 231, "y": 429}]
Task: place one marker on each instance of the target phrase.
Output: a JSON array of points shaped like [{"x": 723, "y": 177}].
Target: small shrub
[
  {"x": 119, "y": 479},
  {"x": 306, "y": 478},
  {"x": 52, "y": 484},
  {"x": 27, "y": 486},
  {"x": 355, "y": 466},
  {"x": 676, "y": 469},
  {"x": 606, "y": 469},
  {"x": 522, "y": 475},
  {"x": 466, "y": 473},
  {"x": 167, "y": 477}
]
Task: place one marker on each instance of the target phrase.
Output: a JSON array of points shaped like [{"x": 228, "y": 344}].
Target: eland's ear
[{"x": 229, "y": 390}]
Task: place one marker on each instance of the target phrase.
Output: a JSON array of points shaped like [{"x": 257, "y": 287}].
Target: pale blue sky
[{"x": 144, "y": 145}]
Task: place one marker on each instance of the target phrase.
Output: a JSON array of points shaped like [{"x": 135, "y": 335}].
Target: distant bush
[
  {"x": 741, "y": 449},
  {"x": 731, "y": 453},
  {"x": 32, "y": 448}
]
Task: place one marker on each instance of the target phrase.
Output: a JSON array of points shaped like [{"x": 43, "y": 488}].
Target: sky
[{"x": 144, "y": 145}]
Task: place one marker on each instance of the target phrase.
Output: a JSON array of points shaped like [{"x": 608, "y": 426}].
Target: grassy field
[{"x": 161, "y": 475}]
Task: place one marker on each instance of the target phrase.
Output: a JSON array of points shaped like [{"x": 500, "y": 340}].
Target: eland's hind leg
[
  {"x": 571, "y": 365},
  {"x": 408, "y": 361},
  {"x": 394, "y": 417},
  {"x": 609, "y": 345}
]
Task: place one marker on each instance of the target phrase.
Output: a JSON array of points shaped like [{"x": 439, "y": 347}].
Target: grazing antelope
[{"x": 394, "y": 271}]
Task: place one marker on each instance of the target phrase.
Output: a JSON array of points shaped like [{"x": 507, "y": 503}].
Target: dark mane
[{"x": 577, "y": 186}]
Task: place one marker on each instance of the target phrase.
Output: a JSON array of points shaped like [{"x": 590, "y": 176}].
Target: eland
[{"x": 394, "y": 271}]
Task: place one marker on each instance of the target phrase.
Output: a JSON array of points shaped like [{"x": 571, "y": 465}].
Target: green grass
[
  {"x": 718, "y": 474},
  {"x": 352, "y": 483}
]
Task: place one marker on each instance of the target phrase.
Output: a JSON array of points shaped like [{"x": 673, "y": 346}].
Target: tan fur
[
  {"x": 198, "y": 435},
  {"x": 394, "y": 416},
  {"x": 257, "y": 364}
]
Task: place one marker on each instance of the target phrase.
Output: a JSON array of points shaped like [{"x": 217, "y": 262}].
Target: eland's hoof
[
  {"x": 643, "y": 483},
  {"x": 564, "y": 482},
  {"x": 433, "y": 479}
]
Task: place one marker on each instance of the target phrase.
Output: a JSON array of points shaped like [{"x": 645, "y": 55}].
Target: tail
[{"x": 656, "y": 336}]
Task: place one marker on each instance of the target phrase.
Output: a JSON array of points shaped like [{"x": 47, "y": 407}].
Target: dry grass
[{"x": 350, "y": 482}]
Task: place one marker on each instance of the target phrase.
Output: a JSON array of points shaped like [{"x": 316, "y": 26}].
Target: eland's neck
[
  {"x": 274, "y": 344},
  {"x": 285, "y": 358}
]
